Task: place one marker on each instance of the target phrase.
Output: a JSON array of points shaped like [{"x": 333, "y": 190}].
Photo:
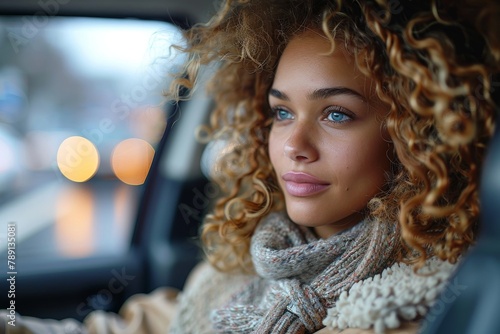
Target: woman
[{"x": 359, "y": 130}]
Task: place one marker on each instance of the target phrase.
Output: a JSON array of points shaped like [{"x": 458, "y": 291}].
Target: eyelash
[
  {"x": 338, "y": 110},
  {"x": 276, "y": 111},
  {"x": 326, "y": 113}
]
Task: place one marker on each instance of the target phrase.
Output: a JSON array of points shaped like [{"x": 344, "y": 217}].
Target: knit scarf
[{"x": 301, "y": 276}]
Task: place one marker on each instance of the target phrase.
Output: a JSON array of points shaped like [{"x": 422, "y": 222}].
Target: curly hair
[{"x": 432, "y": 63}]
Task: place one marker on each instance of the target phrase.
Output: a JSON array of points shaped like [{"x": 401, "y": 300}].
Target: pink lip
[{"x": 302, "y": 185}]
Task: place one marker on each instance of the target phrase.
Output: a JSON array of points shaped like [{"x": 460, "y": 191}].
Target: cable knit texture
[{"x": 301, "y": 276}]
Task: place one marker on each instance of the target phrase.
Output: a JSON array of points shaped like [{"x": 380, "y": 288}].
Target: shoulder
[
  {"x": 205, "y": 290},
  {"x": 205, "y": 279}
]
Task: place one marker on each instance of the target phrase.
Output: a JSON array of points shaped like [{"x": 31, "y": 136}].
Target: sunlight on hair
[
  {"x": 131, "y": 160},
  {"x": 77, "y": 159}
]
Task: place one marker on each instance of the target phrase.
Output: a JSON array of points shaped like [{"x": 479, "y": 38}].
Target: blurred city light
[
  {"x": 98, "y": 79},
  {"x": 131, "y": 160},
  {"x": 74, "y": 225},
  {"x": 77, "y": 159}
]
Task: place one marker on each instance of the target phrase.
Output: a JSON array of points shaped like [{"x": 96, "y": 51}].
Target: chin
[{"x": 303, "y": 217}]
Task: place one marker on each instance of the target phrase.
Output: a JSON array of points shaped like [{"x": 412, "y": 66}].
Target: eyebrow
[{"x": 321, "y": 93}]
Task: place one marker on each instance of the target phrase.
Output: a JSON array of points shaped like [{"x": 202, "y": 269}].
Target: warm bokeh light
[
  {"x": 77, "y": 159},
  {"x": 131, "y": 160},
  {"x": 74, "y": 229}
]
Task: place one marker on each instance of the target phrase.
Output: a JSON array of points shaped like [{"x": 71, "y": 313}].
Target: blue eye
[
  {"x": 338, "y": 117},
  {"x": 282, "y": 114}
]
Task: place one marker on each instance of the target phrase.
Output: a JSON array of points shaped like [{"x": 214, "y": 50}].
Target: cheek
[
  {"x": 274, "y": 149},
  {"x": 378, "y": 154},
  {"x": 364, "y": 162},
  {"x": 373, "y": 164}
]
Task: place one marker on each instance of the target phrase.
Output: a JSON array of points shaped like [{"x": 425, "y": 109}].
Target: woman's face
[{"x": 326, "y": 144}]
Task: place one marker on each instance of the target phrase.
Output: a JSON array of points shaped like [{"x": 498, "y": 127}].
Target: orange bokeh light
[
  {"x": 131, "y": 160},
  {"x": 77, "y": 159}
]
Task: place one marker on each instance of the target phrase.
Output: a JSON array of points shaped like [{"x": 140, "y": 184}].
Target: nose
[{"x": 300, "y": 145}]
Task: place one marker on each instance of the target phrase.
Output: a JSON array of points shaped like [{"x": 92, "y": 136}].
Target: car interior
[{"x": 82, "y": 80}]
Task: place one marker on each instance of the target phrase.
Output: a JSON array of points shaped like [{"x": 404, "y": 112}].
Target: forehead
[{"x": 308, "y": 59}]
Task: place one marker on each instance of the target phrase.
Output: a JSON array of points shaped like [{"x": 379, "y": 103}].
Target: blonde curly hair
[{"x": 432, "y": 63}]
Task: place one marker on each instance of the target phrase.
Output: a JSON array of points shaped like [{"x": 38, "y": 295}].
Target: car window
[{"x": 81, "y": 113}]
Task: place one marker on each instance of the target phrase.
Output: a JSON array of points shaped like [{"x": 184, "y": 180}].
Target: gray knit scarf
[{"x": 301, "y": 276}]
